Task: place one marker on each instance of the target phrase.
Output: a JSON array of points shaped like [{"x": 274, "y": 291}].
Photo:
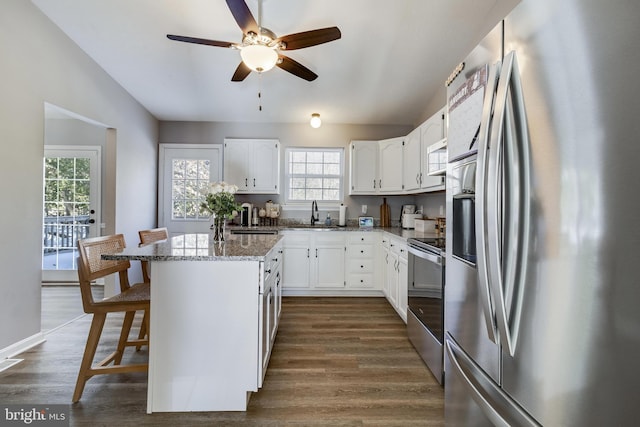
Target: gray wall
[
  {"x": 328, "y": 135},
  {"x": 40, "y": 64}
]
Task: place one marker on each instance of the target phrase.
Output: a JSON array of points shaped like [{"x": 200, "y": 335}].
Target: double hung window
[{"x": 314, "y": 174}]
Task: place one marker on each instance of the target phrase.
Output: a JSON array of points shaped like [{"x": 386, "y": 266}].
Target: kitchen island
[{"x": 214, "y": 314}]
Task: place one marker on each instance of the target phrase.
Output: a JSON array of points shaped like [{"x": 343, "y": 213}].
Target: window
[
  {"x": 189, "y": 183},
  {"x": 314, "y": 174}
]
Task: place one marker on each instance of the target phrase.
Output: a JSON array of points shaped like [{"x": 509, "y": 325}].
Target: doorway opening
[{"x": 71, "y": 209}]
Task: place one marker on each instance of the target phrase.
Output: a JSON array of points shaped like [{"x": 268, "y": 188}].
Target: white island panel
[{"x": 205, "y": 335}]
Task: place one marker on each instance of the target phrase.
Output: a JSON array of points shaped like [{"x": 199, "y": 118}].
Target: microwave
[{"x": 437, "y": 158}]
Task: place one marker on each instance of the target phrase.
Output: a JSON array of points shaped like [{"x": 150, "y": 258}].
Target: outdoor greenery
[{"x": 66, "y": 188}]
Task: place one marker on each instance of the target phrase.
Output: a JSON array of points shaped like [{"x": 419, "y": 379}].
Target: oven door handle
[{"x": 426, "y": 255}]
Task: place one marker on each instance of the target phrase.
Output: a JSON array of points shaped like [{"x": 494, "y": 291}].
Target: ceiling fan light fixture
[
  {"x": 259, "y": 57},
  {"x": 315, "y": 121}
]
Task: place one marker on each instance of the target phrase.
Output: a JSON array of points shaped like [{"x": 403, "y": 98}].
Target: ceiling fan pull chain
[{"x": 259, "y": 91}]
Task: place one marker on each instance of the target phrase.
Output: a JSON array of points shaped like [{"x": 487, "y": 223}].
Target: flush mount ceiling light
[{"x": 315, "y": 121}]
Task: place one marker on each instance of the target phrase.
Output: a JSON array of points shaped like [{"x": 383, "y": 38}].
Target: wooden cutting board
[{"x": 385, "y": 214}]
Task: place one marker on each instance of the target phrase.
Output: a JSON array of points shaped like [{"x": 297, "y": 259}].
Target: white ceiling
[{"x": 394, "y": 55}]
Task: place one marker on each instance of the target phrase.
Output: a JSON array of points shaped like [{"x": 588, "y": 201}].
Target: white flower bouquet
[{"x": 220, "y": 200}]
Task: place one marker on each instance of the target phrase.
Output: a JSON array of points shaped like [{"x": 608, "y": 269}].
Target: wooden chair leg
[
  {"x": 124, "y": 336},
  {"x": 89, "y": 353},
  {"x": 144, "y": 328}
]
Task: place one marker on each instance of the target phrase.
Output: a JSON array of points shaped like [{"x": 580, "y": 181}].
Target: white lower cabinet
[
  {"x": 330, "y": 263},
  {"x": 296, "y": 271},
  {"x": 314, "y": 259},
  {"x": 270, "y": 305},
  {"x": 395, "y": 264},
  {"x": 360, "y": 258}
]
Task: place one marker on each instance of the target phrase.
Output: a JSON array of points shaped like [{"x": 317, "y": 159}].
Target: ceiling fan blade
[
  {"x": 241, "y": 73},
  {"x": 296, "y": 68},
  {"x": 199, "y": 41},
  {"x": 310, "y": 38},
  {"x": 243, "y": 16}
]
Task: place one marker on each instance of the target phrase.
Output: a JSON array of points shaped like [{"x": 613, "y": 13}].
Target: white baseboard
[
  {"x": 22, "y": 346},
  {"x": 331, "y": 293}
]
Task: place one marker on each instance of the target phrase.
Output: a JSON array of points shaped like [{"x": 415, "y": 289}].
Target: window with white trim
[{"x": 314, "y": 174}]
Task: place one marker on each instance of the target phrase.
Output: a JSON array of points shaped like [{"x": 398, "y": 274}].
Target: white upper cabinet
[
  {"x": 363, "y": 171},
  {"x": 432, "y": 132},
  {"x": 390, "y": 165},
  {"x": 411, "y": 161},
  {"x": 253, "y": 165},
  {"x": 400, "y": 165}
]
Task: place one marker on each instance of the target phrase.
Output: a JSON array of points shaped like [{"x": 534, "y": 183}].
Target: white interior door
[
  {"x": 71, "y": 207},
  {"x": 185, "y": 173}
]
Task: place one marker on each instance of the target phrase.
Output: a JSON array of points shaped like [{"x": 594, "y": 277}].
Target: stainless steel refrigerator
[{"x": 542, "y": 298}]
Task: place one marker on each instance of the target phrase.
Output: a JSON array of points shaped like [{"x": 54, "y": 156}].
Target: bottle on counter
[{"x": 328, "y": 220}]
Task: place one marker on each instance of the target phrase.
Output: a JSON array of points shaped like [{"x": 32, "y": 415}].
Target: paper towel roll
[{"x": 342, "y": 221}]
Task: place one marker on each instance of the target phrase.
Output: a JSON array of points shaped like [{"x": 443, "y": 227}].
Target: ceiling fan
[{"x": 260, "y": 48}]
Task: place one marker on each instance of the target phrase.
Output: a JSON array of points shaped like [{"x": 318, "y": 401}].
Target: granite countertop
[
  {"x": 396, "y": 231},
  {"x": 237, "y": 247},
  {"x": 200, "y": 247}
]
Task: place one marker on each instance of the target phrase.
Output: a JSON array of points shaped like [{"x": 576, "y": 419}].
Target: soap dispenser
[{"x": 328, "y": 220}]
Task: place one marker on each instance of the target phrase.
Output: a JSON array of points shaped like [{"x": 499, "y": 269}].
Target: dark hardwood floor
[
  {"x": 336, "y": 362},
  {"x": 62, "y": 304}
]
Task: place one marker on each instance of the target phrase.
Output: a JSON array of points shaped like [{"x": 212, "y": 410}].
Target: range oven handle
[{"x": 437, "y": 259}]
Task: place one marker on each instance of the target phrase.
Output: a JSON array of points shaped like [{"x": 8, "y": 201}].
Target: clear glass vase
[{"x": 217, "y": 227}]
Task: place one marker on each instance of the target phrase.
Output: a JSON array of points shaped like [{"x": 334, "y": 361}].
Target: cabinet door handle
[
  {"x": 268, "y": 271},
  {"x": 361, "y": 252},
  {"x": 307, "y": 253},
  {"x": 362, "y": 266},
  {"x": 254, "y": 182},
  {"x": 374, "y": 183},
  {"x": 417, "y": 178},
  {"x": 246, "y": 182},
  {"x": 316, "y": 252}
]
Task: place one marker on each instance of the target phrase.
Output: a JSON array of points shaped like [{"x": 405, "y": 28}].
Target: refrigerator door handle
[
  {"x": 481, "y": 203},
  {"x": 509, "y": 138},
  {"x": 494, "y": 403}
]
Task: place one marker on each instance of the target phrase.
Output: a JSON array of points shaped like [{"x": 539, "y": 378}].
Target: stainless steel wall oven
[{"x": 425, "y": 317}]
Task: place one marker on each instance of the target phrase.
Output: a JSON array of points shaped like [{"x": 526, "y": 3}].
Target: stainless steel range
[{"x": 425, "y": 317}]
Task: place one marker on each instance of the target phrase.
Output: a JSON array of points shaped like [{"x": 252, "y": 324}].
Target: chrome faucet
[{"x": 314, "y": 212}]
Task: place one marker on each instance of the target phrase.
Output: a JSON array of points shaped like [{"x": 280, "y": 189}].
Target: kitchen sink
[
  {"x": 307, "y": 227},
  {"x": 253, "y": 231}
]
